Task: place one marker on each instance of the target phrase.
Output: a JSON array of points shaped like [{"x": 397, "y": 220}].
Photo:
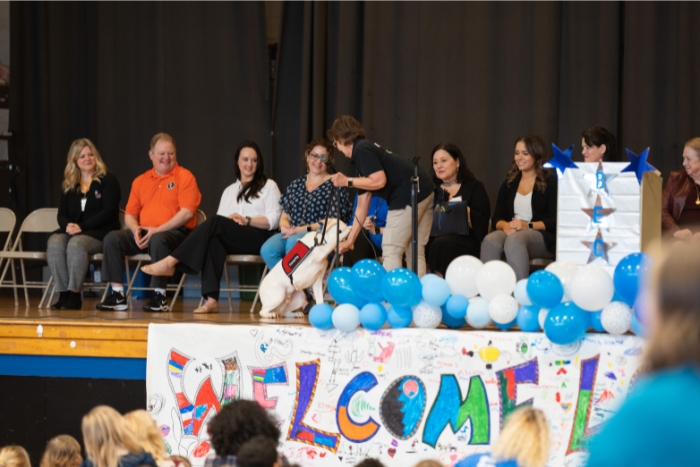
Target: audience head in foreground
[
  {"x": 144, "y": 429},
  {"x": 14, "y": 456},
  {"x": 523, "y": 442},
  {"x": 259, "y": 451},
  {"x": 672, "y": 355},
  {"x": 62, "y": 451}
]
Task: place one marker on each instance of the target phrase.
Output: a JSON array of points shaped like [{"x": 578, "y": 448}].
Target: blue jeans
[{"x": 274, "y": 249}]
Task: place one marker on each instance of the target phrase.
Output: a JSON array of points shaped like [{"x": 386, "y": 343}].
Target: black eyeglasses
[{"x": 317, "y": 157}]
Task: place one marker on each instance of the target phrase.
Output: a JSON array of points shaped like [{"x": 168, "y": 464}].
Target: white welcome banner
[{"x": 401, "y": 395}]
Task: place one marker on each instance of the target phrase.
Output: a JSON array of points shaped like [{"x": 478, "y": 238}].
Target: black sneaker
[
  {"x": 74, "y": 302},
  {"x": 157, "y": 302},
  {"x": 114, "y": 302},
  {"x": 62, "y": 298}
]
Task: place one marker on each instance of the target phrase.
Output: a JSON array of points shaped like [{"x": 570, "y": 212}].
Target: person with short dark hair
[
  {"x": 259, "y": 452},
  {"x": 369, "y": 462},
  {"x": 598, "y": 143},
  {"x": 386, "y": 175},
  {"x": 525, "y": 218},
  {"x": 234, "y": 425}
]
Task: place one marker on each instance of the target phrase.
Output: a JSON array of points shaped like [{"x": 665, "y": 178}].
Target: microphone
[{"x": 326, "y": 160}]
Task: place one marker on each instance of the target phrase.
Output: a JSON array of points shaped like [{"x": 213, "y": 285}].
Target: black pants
[
  {"x": 205, "y": 249},
  {"x": 441, "y": 250},
  {"x": 121, "y": 243},
  {"x": 362, "y": 249}
]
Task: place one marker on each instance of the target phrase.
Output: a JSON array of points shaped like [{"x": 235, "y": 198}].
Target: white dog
[{"x": 280, "y": 295}]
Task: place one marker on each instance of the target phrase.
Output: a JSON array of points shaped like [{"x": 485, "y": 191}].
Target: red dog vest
[{"x": 293, "y": 259}]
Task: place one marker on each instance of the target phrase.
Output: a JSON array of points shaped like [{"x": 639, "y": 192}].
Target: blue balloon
[
  {"x": 544, "y": 289},
  {"x": 436, "y": 292},
  {"x": 401, "y": 288},
  {"x": 428, "y": 278},
  {"x": 399, "y": 317},
  {"x": 346, "y": 317},
  {"x": 478, "y": 313},
  {"x": 628, "y": 273},
  {"x": 505, "y": 327},
  {"x": 640, "y": 307},
  {"x": 372, "y": 316},
  {"x": 528, "y": 318},
  {"x": 341, "y": 289},
  {"x": 450, "y": 321},
  {"x": 367, "y": 276},
  {"x": 566, "y": 323},
  {"x": 321, "y": 315},
  {"x": 456, "y": 306},
  {"x": 638, "y": 328},
  {"x": 595, "y": 321}
]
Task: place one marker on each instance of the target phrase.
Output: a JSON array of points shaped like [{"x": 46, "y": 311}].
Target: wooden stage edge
[{"x": 92, "y": 333}]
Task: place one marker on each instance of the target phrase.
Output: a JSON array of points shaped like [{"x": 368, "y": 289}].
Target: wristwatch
[
  {"x": 308, "y": 228},
  {"x": 247, "y": 218},
  {"x": 529, "y": 225},
  {"x": 350, "y": 181}
]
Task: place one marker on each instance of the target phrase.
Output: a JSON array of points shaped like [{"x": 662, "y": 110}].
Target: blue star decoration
[
  {"x": 599, "y": 248},
  {"x": 599, "y": 181},
  {"x": 561, "y": 160},
  {"x": 598, "y": 215},
  {"x": 639, "y": 164}
]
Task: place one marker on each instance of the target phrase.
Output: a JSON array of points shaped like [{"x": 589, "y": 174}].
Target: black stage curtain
[
  {"x": 119, "y": 72},
  {"x": 480, "y": 74}
]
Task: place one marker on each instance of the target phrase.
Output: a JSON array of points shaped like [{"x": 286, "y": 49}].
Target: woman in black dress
[{"x": 455, "y": 184}]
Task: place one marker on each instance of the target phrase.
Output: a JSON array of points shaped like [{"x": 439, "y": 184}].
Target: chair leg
[
  {"x": 10, "y": 264},
  {"x": 228, "y": 288},
  {"x": 257, "y": 292},
  {"x": 131, "y": 282},
  {"x": 24, "y": 282},
  {"x": 177, "y": 291},
  {"x": 49, "y": 285},
  {"x": 53, "y": 292}
]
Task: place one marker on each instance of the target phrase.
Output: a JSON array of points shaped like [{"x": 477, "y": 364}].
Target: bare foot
[
  {"x": 164, "y": 267},
  {"x": 210, "y": 306}
]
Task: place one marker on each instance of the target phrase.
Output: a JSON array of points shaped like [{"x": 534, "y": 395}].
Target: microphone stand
[{"x": 415, "y": 189}]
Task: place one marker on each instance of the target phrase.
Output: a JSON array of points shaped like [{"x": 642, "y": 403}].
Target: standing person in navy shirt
[{"x": 386, "y": 175}]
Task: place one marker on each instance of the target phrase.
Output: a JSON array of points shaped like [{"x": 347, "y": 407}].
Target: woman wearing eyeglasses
[{"x": 304, "y": 203}]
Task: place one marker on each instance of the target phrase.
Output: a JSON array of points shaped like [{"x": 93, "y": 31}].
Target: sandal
[{"x": 204, "y": 309}]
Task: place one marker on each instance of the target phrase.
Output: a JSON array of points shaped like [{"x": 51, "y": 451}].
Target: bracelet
[{"x": 247, "y": 218}]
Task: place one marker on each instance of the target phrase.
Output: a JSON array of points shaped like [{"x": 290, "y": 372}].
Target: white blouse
[
  {"x": 522, "y": 207},
  {"x": 266, "y": 204}
]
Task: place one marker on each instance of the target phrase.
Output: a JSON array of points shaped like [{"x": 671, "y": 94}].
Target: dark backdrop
[{"x": 414, "y": 73}]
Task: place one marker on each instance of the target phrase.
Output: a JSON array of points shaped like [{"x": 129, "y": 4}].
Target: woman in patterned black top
[{"x": 304, "y": 203}]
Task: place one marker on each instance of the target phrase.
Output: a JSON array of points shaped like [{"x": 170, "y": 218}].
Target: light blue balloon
[
  {"x": 320, "y": 316},
  {"x": 506, "y": 326},
  {"x": 341, "y": 288},
  {"x": 595, "y": 321},
  {"x": 544, "y": 289},
  {"x": 399, "y": 317},
  {"x": 478, "y": 313},
  {"x": 450, "y": 321},
  {"x": 372, "y": 316},
  {"x": 428, "y": 277},
  {"x": 528, "y": 318},
  {"x": 401, "y": 288},
  {"x": 566, "y": 323},
  {"x": 456, "y": 306},
  {"x": 346, "y": 317},
  {"x": 520, "y": 292},
  {"x": 366, "y": 279},
  {"x": 638, "y": 328},
  {"x": 436, "y": 292},
  {"x": 628, "y": 273}
]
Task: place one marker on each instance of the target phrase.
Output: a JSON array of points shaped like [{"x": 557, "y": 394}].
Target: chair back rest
[
  {"x": 201, "y": 217},
  {"x": 8, "y": 220},
  {"x": 44, "y": 220}
]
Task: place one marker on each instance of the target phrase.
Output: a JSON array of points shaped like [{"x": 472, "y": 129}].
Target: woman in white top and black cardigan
[
  {"x": 249, "y": 213},
  {"x": 525, "y": 218}
]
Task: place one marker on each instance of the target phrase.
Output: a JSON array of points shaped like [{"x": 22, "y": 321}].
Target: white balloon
[
  {"x": 426, "y": 315},
  {"x": 542, "y": 316},
  {"x": 616, "y": 318},
  {"x": 461, "y": 275},
  {"x": 520, "y": 293},
  {"x": 478, "y": 313},
  {"x": 591, "y": 288},
  {"x": 495, "y": 278},
  {"x": 564, "y": 271},
  {"x": 503, "y": 308}
]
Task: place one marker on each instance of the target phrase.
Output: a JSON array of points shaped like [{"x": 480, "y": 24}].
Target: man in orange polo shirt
[{"x": 160, "y": 212}]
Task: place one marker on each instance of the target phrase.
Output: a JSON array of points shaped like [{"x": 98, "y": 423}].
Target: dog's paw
[
  {"x": 268, "y": 315},
  {"x": 294, "y": 314}
]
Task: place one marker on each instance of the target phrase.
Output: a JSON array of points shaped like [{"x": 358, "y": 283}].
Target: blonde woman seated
[
  {"x": 109, "y": 443},
  {"x": 14, "y": 456},
  {"x": 523, "y": 442},
  {"x": 144, "y": 429},
  {"x": 87, "y": 211},
  {"x": 62, "y": 451}
]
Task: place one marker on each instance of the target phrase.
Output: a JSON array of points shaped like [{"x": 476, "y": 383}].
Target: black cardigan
[
  {"x": 101, "y": 214},
  {"x": 474, "y": 194},
  {"x": 544, "y": 207}
]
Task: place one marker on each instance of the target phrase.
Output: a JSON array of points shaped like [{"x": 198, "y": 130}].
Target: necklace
[
  {"x": 449, "y": 184},
  {"x": 85, "y": 187}
]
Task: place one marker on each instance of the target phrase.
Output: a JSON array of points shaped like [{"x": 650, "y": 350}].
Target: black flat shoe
[
  {"x": 74, "y": 302},
  {"x": 62, "y": 297}
]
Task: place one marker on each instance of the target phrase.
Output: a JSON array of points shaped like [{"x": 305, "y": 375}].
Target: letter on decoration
[
  {"x": 265, "y": 376},
  {"x": 508, "y": 380},
  {"x": 449, "y": 408},
  {"x": 579, "y": 434},
  {"x": 307, "y": 379},
  {"x": 356, "y": 432}
]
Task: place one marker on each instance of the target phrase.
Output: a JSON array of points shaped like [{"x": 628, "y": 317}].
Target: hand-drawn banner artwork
[{"x": 399, "y": 395}]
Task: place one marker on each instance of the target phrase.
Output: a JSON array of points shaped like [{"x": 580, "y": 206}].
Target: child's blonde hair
[
  {"x": 14, "y": 456},
  {"x": 524, "y": 439},
  {"x": 62, "y": 451},
  {"x": 144, "y": 429},
  {"x": 104, "y": 432}
]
